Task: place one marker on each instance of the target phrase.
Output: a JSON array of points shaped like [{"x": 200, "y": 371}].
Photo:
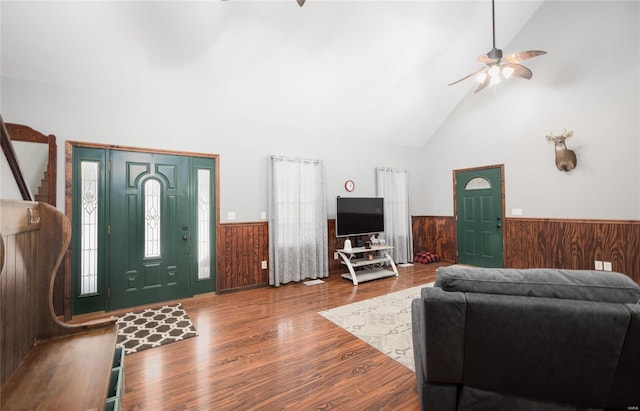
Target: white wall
[
  {"x": 99, "y": 72},
  {"x": 8, "y": 187},
  {"x": 588, "y": 82},
  {"x": 34, "y": 158},
  {"x": 243, "y": 146},
  {"x": 186, "y": 76}
]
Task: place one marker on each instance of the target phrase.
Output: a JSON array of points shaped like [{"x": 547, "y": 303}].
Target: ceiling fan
[{"x": 497, "y": 67}]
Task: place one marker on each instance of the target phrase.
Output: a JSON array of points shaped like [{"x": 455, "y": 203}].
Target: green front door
[
  {"x": 150, "y": 228},
  {"x": 479, "y": 217},
  {"x": 143, "y": 228}
]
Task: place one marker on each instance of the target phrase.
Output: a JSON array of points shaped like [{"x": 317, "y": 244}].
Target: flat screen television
[{"x": 359, "y": 216}]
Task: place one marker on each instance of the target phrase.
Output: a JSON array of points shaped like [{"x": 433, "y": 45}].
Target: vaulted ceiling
[{"x": 377, "y": 70}]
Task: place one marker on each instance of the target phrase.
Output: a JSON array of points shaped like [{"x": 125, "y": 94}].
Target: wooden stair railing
[
  {"x": 46, "y": 192},
  {"x": 14, "y": 165}
]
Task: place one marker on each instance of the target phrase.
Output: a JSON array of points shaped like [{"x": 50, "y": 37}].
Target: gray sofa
[{"x": 536, "y": 339}]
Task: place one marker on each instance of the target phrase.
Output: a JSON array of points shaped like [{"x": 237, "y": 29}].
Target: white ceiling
[{"x": 377, "y": 70}]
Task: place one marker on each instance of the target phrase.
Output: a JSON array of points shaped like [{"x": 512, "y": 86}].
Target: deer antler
[
  {"x": 564, "y": 135},
  {"x": 567, "y": 135},
  {"x": 550, "y": 136}
]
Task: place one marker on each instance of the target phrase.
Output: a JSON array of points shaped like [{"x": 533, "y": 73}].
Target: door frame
[
  {"x": 455, "y": 203},
  {"x": 68, "y": 204}
]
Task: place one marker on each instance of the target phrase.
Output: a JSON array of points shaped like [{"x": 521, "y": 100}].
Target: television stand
[{"x": 378, "y": 255}]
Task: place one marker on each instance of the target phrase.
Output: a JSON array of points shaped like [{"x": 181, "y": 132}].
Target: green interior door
[
  {"x": 479, "y": 217},
  {"x": 150, "y": 228}
]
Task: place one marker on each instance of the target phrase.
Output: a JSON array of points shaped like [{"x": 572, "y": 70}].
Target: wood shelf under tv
[{"x": 379, "y": 255}]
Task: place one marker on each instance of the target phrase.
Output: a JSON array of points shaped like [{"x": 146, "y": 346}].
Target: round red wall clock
[{"x": 349, "y": 185}]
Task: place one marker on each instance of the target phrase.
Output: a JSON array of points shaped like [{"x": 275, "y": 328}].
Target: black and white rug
[
  {"x": 383, "y": 322},
  {"x": 154, "y": 327}
]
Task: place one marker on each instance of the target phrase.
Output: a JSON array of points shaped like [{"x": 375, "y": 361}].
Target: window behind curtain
[
  {"x": 297, "y": 220},
  {"x": 393, "y": 185}
]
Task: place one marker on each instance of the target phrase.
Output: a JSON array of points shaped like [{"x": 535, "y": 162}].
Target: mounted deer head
[{"x": 565, "y": 159}]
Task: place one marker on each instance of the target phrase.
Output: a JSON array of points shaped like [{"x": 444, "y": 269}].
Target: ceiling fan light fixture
[
  {"x": 498, "y": 67},
  {"x": 507, "y": 71}
]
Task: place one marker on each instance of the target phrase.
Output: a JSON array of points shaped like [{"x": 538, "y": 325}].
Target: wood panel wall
[
  {"x": 553, "y": 243},
  {"x": 243, "y": 246},
  {"x": 573, "y": 244},
  {"x": 436, "y": 235},
  {"x": 17, "y": 282},
  {"x": 334, "y": 243},
  {"x": 241, "y": 249}
]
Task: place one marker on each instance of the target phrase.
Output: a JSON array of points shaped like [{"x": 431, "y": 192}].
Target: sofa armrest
[
  {"x": 625, "y": 394},
  {"x": 443, "y": 332}
]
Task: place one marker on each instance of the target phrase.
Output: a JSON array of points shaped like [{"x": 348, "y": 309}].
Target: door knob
[{"x": 185, "y": 238}]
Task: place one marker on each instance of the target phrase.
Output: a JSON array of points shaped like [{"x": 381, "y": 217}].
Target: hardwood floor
[{"x": 268, "y": 349}]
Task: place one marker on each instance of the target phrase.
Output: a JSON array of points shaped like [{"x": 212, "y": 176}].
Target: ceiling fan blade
[
  {"x": 518, "y": 70},
  {"x": 486, "y": 59},
  {"x": 485, "y": 83},
  {"x": 522, "y": 56},
  {"x": 467, "y": 76}
]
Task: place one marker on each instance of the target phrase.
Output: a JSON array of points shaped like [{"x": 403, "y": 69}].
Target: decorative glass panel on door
[
  {"x": 152, "y": 218},
  {"x": 89, "y": 224},
  {"x": 204, "y": 212}
]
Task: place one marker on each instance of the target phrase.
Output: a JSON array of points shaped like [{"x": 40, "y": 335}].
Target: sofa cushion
[{"x": 583, "y": 285}]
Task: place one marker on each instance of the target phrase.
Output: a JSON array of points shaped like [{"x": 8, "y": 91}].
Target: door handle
[
  {"x": 499, "y": 225},
  {"x": 185, "y": 238}
]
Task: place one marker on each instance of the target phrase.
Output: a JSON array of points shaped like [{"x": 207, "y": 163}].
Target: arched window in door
[
  {"x": 151, "y": 218},
  {"x": 478, "y": 183}
]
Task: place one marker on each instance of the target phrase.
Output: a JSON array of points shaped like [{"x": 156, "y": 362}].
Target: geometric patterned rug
[
  {"x": 154, "y": 327},
  {"x": 384, "y": 322}
]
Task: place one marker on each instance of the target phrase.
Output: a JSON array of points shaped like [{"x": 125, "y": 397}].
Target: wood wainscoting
[
  {"x": 543, "y": 242},
  {"x": 243, "y": 247},
  {"x": 573, "y": 244},
  {"x": 530, "y": 242},
  {"x": 436, "y": 235}
]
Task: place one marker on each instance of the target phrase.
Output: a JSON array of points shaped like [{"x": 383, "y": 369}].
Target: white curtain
[
  {"x": 393, "y": 185},
  {"x": 297, "y": 220}
]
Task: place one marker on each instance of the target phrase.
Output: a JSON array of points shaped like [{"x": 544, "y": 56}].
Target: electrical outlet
[
  {"x": 598, "y": 265},
  {"x": 231, "y": 215},
  {"x": 264, "y": 265},
  {"x": 335, "y": 255},
  {"x": 607, "y": 266}
]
